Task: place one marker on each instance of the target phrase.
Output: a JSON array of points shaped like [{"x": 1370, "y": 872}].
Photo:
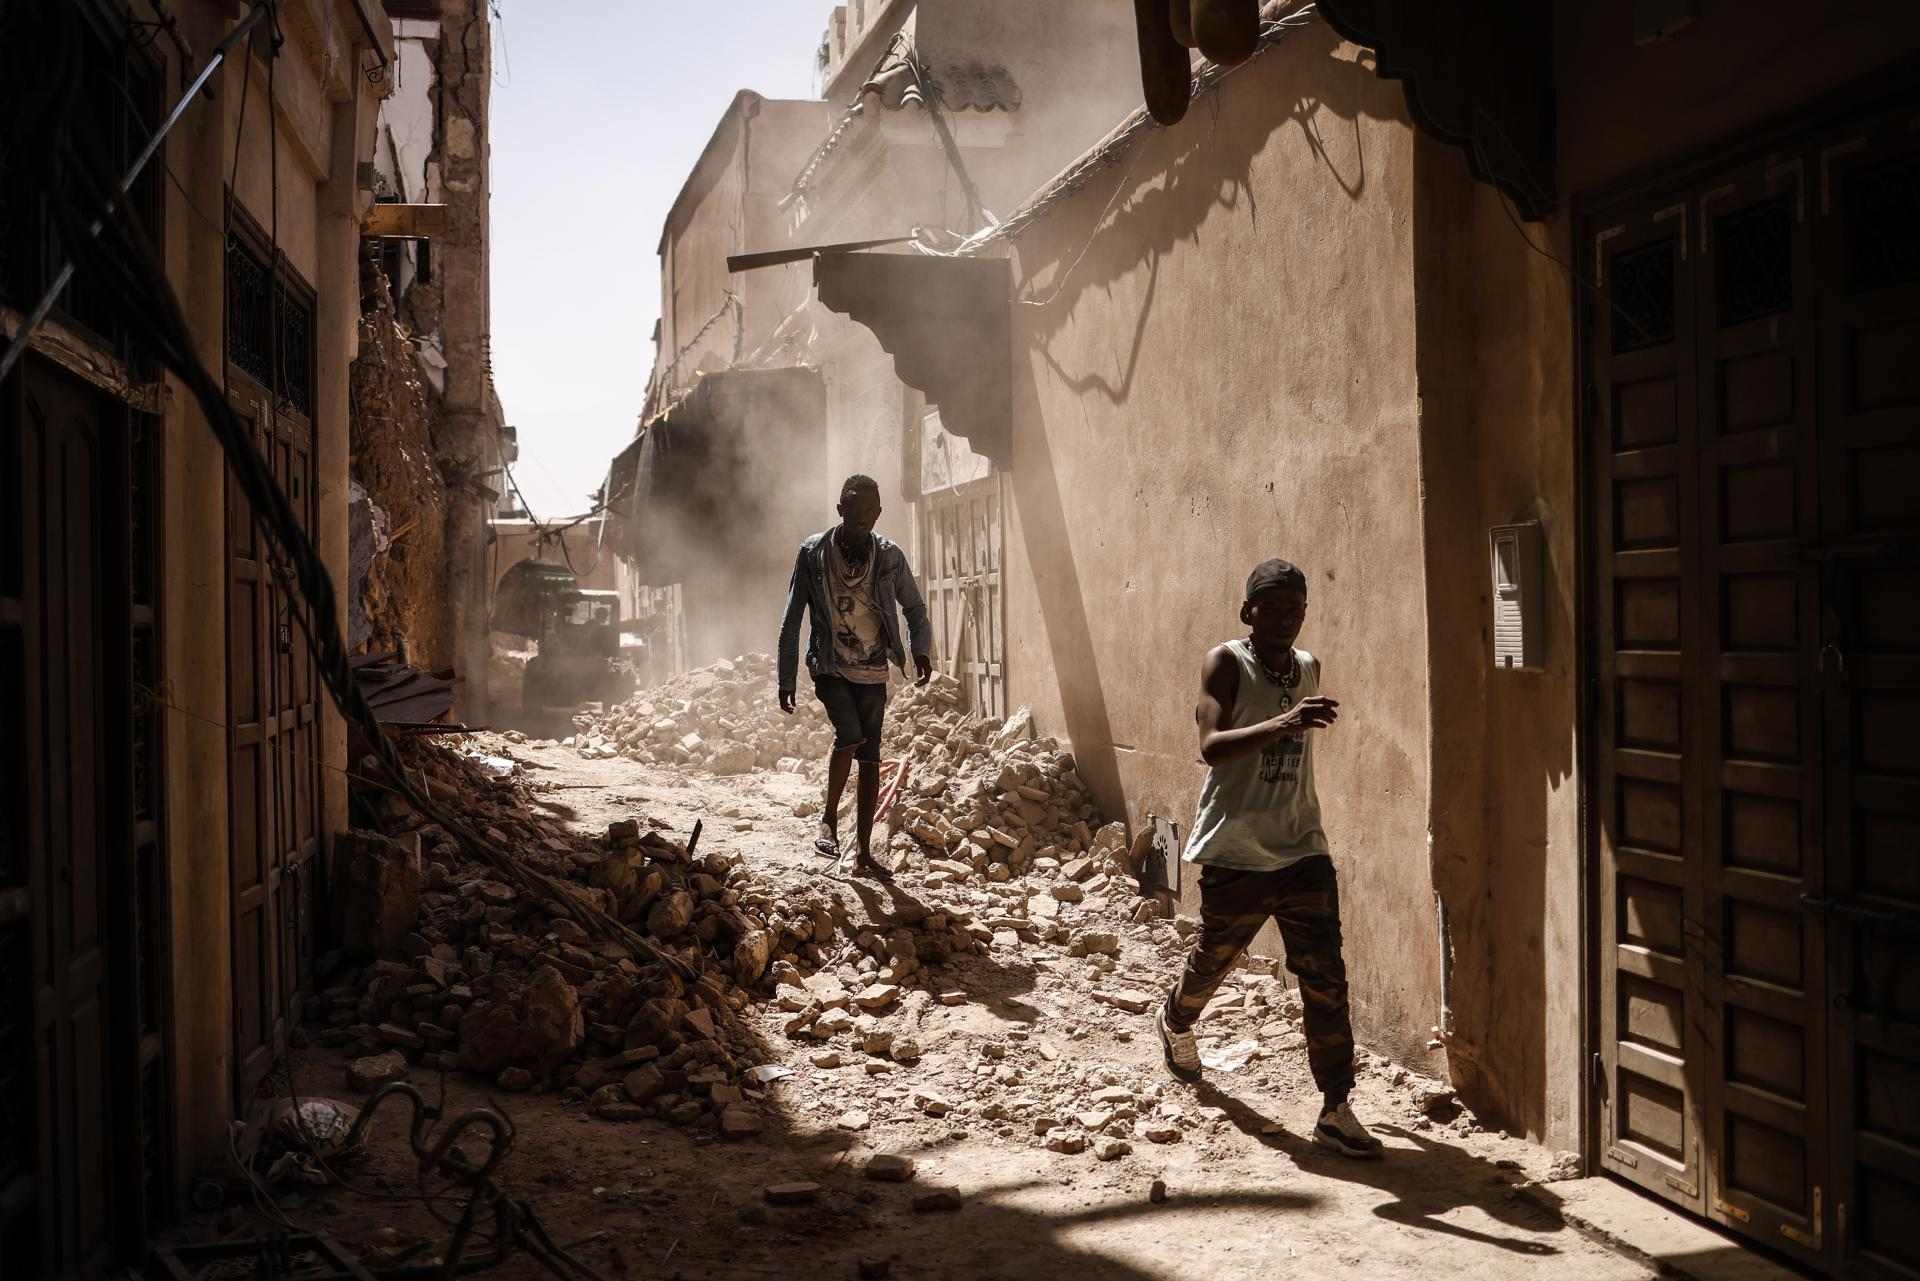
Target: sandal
[
  {"x": 827, "y": 844},
  {"x": 872, "y": 868}
]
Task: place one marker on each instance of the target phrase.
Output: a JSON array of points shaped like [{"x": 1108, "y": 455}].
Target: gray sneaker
[
  {"x": 1181, "y": 1051},
  {"x": 1340, "y": 1130}
]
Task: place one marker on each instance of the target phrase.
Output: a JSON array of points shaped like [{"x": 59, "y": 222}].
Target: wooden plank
[{"x": 405, "y": 222}]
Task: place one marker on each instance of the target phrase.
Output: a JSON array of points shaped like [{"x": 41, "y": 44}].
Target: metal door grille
[
  {"x": 1754, "y": 490},
  {"x": 961, "y": 537},
  {"x": 118, "y": 108},
  {"x": 264, "y": 313}
]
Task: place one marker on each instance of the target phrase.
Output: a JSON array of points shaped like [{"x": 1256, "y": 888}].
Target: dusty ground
[{"x": 1247, "y": 1195}]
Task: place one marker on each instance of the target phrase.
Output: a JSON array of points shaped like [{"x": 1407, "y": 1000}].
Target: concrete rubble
[
  {"x": 724, "y": 718},
  {"x": 484, "y": 979},
  {"x": 848, "y": 1021}
]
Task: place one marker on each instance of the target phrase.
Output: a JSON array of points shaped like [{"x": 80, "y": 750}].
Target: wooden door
[
  {"x": 257, "y": 1032},
  {"x": 1870, "y": 675},
  {"x": 1754, "y": 695},
  {"x": 1753, "y": 475},
  {"x": 1642, "y": 464},
  {"x": 59, "y": 443},
  {"x": 274, "y": 756},
  {"x": 20, "y": 767},
  {"x": 273, "y": 713}
]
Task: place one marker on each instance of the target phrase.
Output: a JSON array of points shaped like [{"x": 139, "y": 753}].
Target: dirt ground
[{"x": 1024, "y": 1044}]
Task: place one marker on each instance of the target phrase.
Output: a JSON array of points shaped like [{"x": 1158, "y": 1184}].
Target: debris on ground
[
  {"x": 724, "y": 718},
  {"x": 460, "y": 970}
]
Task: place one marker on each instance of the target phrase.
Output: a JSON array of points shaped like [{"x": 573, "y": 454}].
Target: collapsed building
[{"x": 431, "y": 445}]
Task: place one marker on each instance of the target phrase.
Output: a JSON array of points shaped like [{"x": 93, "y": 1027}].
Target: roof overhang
[
  {"x": 1478, "y": 75},
  {"x": 947, "y": 323}
]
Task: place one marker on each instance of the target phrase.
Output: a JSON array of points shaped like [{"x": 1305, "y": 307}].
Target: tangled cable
[{"x": 49, "y": 146}]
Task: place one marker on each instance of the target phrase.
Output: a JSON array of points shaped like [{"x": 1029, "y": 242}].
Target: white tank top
[{"x": 1258, "y": 811}]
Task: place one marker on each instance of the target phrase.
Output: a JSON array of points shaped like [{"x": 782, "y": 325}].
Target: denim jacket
[{"x": 893, "y": 588}]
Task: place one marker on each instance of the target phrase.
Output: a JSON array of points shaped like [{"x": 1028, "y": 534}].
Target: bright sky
[{"x": 600, "y": 108}]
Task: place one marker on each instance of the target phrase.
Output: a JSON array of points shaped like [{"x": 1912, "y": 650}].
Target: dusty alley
[{"x": 1009, "y": 1104}]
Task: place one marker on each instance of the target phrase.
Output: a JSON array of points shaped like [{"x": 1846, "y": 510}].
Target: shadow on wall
[
  {"x": 1210, "y": 166},
  {"x": 1502, "y": 742},
  {"x": 1212, "y": 157}
]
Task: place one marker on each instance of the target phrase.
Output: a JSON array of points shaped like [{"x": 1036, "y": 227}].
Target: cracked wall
[{"x": 397, "y": 605}]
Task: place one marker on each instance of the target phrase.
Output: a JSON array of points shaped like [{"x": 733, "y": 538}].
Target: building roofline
[{"x": 745, "y": 103}]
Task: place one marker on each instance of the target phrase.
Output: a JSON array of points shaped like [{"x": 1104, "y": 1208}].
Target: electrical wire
[
  {"x": 1119, "y": 188},
  {"x": 43, "y": 152}
]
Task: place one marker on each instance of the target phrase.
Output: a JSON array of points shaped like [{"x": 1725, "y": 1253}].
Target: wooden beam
[{"x": 411, "y": 222}]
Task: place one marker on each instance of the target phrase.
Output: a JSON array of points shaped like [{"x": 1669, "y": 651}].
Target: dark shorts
[{"x": 856, "y": 710}]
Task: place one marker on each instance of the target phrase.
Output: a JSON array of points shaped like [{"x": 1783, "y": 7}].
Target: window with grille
[
  {"x": 1643, "y": 297},
  {"x": 116, "y": 109},
  {"x": 269, "y": 325}
]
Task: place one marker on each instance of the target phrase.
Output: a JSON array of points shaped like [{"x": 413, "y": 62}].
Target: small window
[
  {"x": 1881, "y": 214},
  {"x": 1754, "y": 251},
  {"x": 1642, "y": 300},
  {"x": 265, "y": 315}
]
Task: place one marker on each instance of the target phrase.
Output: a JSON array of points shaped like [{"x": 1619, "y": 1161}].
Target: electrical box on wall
[{"x": 1516, "y": 553}]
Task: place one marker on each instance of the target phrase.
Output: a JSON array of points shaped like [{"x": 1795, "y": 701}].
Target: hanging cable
[
  {"x": 112, "y": 203},
  {"x": 86, "y": 209}
]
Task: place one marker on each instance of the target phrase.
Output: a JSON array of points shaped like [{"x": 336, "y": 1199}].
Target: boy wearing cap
[{"x": 1261, "y": 849}]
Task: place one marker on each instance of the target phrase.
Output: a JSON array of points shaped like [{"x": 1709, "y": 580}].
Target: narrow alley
[
  {"x": 996, "y": 1109},
  {"x": 1154, "y": 640}
]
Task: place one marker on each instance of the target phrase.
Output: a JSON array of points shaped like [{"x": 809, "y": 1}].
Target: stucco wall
[
  {"x": 729, "y": 205},
  {"x": 325, "y": 130},
  {"x": 297, "y": 221},
  {"x": 1497, "y": 446},
  {"x": 1229, "y": 375},
  {"x": 193, "y": 640}
]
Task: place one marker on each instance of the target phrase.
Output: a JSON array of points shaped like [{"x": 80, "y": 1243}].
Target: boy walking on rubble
[
  {"x": 1261, "y": 849},
  {"x": 850, "y": 582}
]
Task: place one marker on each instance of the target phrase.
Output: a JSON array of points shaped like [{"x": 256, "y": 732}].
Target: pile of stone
[
  {"x": 443, "y": 965},
  {"x": 985, "y": 798},
  {"x": 724, "y": 718}
]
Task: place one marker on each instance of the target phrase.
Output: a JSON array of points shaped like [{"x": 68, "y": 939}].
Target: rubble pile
[
  {"x": 983, "y": 797},
  {"x": 986, "y": 798},
  {"x": 457, "y": 969},
  {"x": 724, "y": 718}
]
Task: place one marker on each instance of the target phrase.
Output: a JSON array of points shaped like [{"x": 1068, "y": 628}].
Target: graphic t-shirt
[
  {"x": 859, "y": 642},
  {"x": 1258, "y": 811}
]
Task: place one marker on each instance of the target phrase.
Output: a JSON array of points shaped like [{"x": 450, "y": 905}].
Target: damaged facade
[
  {"x": 438, "y": 476},
  {"x": 932, "y": 118},
  {"x": 1626, "y": 886}
]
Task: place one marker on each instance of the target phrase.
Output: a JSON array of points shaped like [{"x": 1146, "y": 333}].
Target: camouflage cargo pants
[{"x": 1304, "y": 901}]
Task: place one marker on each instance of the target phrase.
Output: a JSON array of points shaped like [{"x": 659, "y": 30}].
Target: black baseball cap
[{"x": 1274, "y": 573}]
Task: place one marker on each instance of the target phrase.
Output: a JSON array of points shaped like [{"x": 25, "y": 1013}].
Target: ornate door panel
[
  {"x": 1643, "y": 460},
  {"x": 60, "y": 448},
  {"x": 1870, "y": 667},
  {"x": 273, "y": 715},
  {"x": 1754, "y": 478}
]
